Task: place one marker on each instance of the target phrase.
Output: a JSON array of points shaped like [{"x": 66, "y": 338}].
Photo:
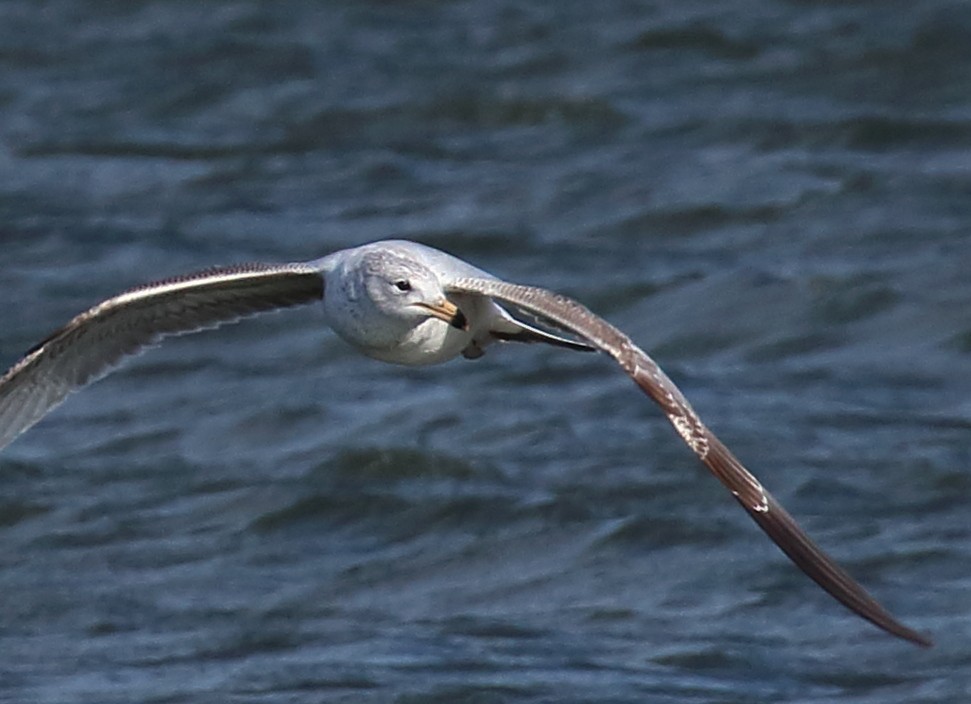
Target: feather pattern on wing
[
  {"x": 95, "y": 341},
  {"x": 757, "y": 502}
]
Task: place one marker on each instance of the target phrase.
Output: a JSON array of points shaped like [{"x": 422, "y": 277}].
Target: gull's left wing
[
  {"x": 757, "y": 502},
  {"x": 95, "y": 341}
]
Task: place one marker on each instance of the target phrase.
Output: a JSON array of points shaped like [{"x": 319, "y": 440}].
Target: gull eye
[{"x": 402, "y": 285}]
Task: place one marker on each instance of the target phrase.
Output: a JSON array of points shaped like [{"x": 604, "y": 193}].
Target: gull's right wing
[{"x": 95, "y": 341}]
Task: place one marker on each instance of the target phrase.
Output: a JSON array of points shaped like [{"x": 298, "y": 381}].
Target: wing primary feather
[
  {"x": 767, "y": 513},
  {"x": 782, "y": 528}
]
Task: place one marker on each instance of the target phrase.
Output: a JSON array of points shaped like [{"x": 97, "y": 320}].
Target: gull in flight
[{"x": 406, "y": 303}]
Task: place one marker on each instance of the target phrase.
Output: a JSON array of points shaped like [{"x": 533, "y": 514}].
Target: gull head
[
  {"x": 392, "y": 307},
  {"x": 404, "y": 289}
]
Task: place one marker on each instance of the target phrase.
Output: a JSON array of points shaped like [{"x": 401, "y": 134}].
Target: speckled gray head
[{"x": 384, "y": 303}]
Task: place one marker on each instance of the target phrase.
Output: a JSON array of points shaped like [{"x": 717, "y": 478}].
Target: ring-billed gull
[{"x": 405, "y": 303}]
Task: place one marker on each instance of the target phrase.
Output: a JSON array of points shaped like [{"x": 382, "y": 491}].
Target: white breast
[{"x": 430, "y": 342}]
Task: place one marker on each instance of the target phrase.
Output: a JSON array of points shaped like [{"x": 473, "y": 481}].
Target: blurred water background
[{"x": 773, "y": 198}]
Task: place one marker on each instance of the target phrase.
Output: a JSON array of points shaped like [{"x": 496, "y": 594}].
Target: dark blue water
[{"x": 773, "y": 198}]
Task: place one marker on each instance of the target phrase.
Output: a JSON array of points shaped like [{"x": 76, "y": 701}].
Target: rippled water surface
[{"x": 773, "y": 198}]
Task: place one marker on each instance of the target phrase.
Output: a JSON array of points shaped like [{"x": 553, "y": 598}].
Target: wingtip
[{"x": 919, "y": 639}]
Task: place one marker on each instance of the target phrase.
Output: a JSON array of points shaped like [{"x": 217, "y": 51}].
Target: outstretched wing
[
  {"x": 760, "y": 505},
  {"x": 95, "y": 341}
]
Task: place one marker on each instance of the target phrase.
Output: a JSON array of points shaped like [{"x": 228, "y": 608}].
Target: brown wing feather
[
  {"x": 95, "y": 341},
  {"x": 757, "y": 502}
]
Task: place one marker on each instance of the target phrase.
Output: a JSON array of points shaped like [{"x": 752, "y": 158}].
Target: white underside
[{"x": 430, "y": 342}]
